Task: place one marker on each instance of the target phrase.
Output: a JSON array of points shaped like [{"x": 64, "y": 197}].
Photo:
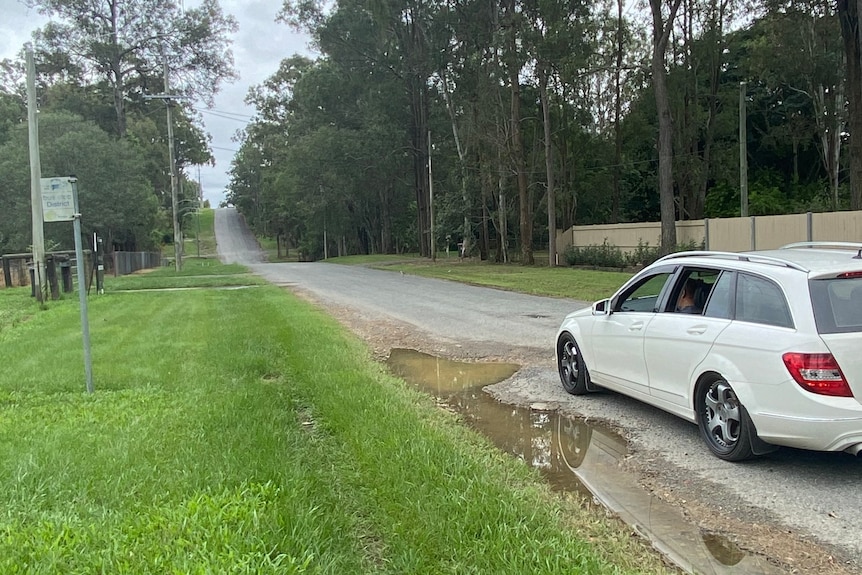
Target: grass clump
[{"x": 228, "y": 434}]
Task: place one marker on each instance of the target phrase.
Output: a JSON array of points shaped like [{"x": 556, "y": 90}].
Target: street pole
[
  {"x": 200, "y": 207},
  {"x": 82, "y": 286},
  {"x": 178, "y": 254},
  {"x": 431, "y": 202},
  {"x": 743, "y": 154},
  {"x": 35, "y": 179}
]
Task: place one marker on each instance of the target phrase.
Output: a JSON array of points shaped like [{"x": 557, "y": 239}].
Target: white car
[{"x": 760, "y": 349}]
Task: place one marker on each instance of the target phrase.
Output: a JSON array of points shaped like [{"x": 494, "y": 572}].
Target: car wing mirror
[{"x": 602, "y": 307}]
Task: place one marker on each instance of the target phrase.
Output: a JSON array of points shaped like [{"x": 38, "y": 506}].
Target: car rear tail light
[
  {"x": 817, "y": 373},
  {"x": 847, "y": 275}
]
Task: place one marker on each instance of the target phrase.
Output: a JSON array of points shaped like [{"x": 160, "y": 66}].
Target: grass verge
[
  {"x": 228, "y": 435},
  {"x": 579, "y": 284}
]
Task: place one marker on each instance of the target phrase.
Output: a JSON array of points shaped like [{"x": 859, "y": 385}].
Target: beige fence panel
[
  {"x": 730, "y": 234},
  {"x": 837, "y": 226},
  {"x": 691, "y": 231},
  {"x": 723, "y": 234},
  {"x": 624, "y": 236},
  {"x": 772, "y": 232}
]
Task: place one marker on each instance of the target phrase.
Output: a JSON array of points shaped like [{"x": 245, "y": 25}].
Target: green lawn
[
  {"x": 228, "y": 434},
  {"x": 580, "y": 284}
]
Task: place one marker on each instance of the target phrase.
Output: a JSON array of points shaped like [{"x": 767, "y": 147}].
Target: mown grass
[
  {"x": 574, "y": 283},
  {"x": 203, "y": 272},
  {"x": 228, "y": 434},
  {"x": 199, "y": 233}
]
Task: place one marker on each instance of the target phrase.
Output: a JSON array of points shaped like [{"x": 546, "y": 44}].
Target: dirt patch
[{"x": 706, "y": 504}]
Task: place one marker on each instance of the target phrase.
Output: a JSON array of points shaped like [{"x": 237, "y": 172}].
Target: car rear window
[
  {"x": 759, "y": 300},
  {"x": 837, "y": 304}
]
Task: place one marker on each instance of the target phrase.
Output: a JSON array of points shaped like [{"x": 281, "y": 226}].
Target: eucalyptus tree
[
  {"x": 663, "y": 18},
  {"x": 377, "y": 39},
  {"x": 798, "y": 53},
  {"x": 469, "y": 79},
  {"x": 697, "y": 79},
  {"x": 555, "y": 34},
  {"x": 850, "y": 20},
  {"x": 514, "y": 59},
  {"x": 125, "y": 43}
]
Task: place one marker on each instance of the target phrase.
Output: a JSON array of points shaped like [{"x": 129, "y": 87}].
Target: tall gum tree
[
  {"x": 849, "y": 16},
  {"x": 122, "y": 42},
  {"x": 662, "y": 27}
]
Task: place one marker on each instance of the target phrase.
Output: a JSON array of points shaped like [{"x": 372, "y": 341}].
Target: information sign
[{"x": 58, "y": 200}]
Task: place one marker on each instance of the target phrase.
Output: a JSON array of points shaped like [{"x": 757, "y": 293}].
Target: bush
[
  {"x": 610, "y": 256},
  {"x": 604, "y": 256}
]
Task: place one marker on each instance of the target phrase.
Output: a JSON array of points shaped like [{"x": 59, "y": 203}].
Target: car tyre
[
  {"x": 573, "y": 371},
  {"x": 723, "y": 421}
]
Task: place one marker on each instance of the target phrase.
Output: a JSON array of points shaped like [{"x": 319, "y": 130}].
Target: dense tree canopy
[
  {"x": 125, "y": 44},
  {"x": 96, "y": 62},
  {"x": 527, "y": 116},
  {"x": 114, "y": 192},
  {"x": 485, "y": 124}
]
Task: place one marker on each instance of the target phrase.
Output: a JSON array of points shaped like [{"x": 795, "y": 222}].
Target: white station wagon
[{"x": 760, "y": 349}]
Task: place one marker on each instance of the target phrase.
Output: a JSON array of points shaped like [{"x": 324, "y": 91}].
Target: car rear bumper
[
  {"x": 807, "y": 420},
  {"x": 808, "y": 433}
]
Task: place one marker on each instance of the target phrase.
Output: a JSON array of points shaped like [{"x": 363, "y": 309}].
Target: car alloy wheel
[
  {"x": 573, "y": 372},
  {"x": 723, "y": 421}
]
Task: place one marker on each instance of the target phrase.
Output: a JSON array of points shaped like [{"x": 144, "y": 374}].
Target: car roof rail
[
  {"x": 830, "y": 245},
  {"x": 740, "y": 256}
]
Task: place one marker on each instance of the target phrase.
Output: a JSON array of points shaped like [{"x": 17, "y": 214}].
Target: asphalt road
[{"x": 807, "y": 495}]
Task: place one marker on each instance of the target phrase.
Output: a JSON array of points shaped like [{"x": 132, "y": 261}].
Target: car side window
[
  {"x": 692, "y": 290},
  {"x": 643, "y": 296},
  {"x": 719, "y": 303},
  {"x": 761, "y": 301}
]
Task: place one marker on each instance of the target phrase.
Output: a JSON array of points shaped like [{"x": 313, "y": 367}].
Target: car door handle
[
  {"x": 696, "y": 330},
  {"x": 636, "y": 326}
]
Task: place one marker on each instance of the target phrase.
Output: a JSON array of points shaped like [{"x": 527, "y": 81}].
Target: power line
[{"x": 227, "y": 115}]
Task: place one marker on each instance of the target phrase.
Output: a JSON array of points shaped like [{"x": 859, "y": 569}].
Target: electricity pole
[
  {"x": 743, "y": 154},
  {"x": 167, "y": 97},
  {"x": 431, "y": 202},
  {"x": 35, "y": 179},
  {"x": 178, "y": 254}
]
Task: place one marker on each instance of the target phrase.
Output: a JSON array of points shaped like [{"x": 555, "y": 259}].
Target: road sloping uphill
[
  {"x": 802, "y": 509},
  {"x": 234, "y": 242}
]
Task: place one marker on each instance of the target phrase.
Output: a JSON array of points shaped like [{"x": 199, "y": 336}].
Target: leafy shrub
[
  {"x": 610, "y": 256},
  {"x": 604, "y": 256},
  {"x": 643, "y": 255}
]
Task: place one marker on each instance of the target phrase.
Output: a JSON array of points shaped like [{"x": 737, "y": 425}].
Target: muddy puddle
[{"x": 574, "y": 456}]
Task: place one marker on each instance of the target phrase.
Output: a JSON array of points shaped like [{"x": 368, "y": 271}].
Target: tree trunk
[
  {"x": 549, "y": 166},
  {"x": 618, "y": 112},
  {"x": 467, "y": 231},
  {"x": 849, "y": 17},
  {"x": 118, "y": 79},
  {"x": 419, "y": 134},
  {"x": 525, "y": 208},
  {"x": 661, "y": 34}
]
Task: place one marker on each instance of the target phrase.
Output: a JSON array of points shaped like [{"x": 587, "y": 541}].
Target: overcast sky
[{"x": 258, "y": 47}]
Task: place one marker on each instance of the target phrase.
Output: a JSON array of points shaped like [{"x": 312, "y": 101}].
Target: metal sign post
[{"x": 60, "y": 204}]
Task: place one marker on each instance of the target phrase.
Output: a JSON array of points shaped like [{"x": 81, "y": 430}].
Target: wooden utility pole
[
  {"x": 743, "y": 154},
  {"x": 178, "y": 254},
  {"x": 431, "y": 202},
  {"x": 35, "y": 179}
]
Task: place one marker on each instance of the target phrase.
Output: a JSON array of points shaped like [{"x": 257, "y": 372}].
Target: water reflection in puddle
[{"x": 573, "y": 456}]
